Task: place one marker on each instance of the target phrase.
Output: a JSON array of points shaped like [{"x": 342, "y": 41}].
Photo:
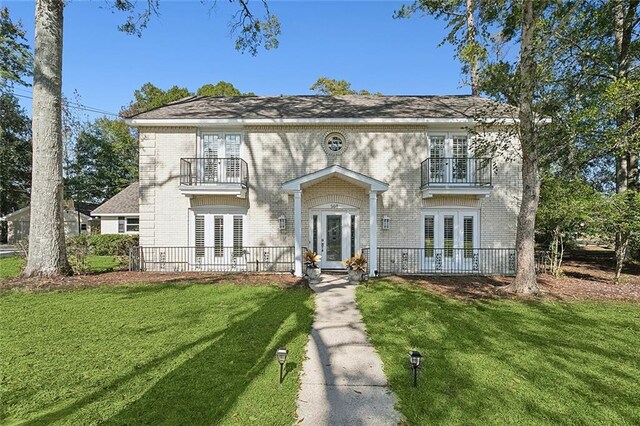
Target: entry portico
[{"x": 338, "y": 222}]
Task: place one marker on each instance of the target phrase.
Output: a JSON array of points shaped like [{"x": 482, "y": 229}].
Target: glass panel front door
[
  {"x": 334, "y": 238},
  {"x": 334, "y": 234}
]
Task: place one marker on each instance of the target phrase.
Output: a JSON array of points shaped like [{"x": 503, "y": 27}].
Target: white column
[
  {"x": 297, "y": 227},
  {"x": 373, "y": 232}
]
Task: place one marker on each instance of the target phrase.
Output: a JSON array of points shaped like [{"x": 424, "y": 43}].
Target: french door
[
  {"x": 450, "y": 240},
  {"x": 218, "y": 241},
  {"x": 220, "y": 157},
  {"x": 449, "y": 159},
  {"x": 334, "y": 236}
]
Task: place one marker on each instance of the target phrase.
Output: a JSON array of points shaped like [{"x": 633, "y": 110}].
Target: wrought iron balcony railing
[
  {"x": 209, "y": 171},
  {"x": 456, "y": 171}
]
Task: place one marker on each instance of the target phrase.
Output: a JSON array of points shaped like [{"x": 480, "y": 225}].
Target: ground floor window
[{"x": 133, "y": 224}]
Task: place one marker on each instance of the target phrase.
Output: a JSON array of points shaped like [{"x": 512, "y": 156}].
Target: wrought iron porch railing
[
  {"x": 212, "y": 259},
  {"x": 456, "y": 171},
  {"x": 208, "y": 171},
  {"x": 445, "y": 261}
]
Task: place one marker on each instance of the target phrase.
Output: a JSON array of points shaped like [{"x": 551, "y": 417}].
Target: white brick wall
[{"x": 276, "y": 154}]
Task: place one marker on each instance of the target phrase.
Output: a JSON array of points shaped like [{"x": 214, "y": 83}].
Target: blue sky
[{"x": 189, "y": 45}]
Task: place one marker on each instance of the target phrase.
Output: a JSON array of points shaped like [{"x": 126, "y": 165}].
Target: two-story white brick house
[{"x": 246, "y": 183}]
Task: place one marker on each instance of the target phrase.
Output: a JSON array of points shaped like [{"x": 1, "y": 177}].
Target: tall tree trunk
[
  {"x": 471, "y": 41},
  {"x": 632, "y": 167},
  {"x": 47, "y": 252},
  {"x": 525, "y": 281},
  {"x": 626, "y": 162}
]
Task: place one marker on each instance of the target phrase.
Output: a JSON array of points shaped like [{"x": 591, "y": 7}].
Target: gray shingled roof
[
  {"x": 124, "y": 202},
  {"x": 301, "y": 107}
]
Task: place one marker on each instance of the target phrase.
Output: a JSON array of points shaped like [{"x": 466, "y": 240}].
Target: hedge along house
[
  {"x": 247, "y": 183},
  {"x": 120, "y": 213}
]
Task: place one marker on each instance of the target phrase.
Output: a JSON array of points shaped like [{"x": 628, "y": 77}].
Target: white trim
[
  {"x": 297, "y": 232},
  {"x": 214, "y": 189},
  {"x": 335, "y": 170},
  {"x": 432, "y": 190},
  {"x": 115, "y": 214},
  {"x": 146, "y": 122},
  {"x": 373, "y": 233}
]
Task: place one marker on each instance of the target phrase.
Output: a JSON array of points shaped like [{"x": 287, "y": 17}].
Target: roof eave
[{"x": 198, "y": 122}]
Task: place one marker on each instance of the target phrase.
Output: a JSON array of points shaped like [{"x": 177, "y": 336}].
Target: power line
[{"x": 76, "y": 105}]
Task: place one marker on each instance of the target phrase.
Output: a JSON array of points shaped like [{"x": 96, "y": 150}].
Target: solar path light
[
  {"x": 281, "y": 355},
  {"x": 415, "y": 363}
]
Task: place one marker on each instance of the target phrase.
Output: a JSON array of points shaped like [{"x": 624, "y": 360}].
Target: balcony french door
[
  {"x": 449, "y": 160},
  {"x": 450, "y": 239},
  {"x": 215, "y": 148}
]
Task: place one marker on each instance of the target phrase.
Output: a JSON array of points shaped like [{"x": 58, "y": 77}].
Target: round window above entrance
[{"x": 335, "y": 143}]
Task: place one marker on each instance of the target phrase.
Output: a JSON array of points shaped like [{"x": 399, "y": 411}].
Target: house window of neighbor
[
  {"x": 83, "y": 226},
  {"x": 121, "y": 225},
  {"x": 133, "y": 224}
]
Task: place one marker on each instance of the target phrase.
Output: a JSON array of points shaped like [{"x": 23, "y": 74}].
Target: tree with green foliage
[
  {"x": 16, "y": 60},
  {"x": 331, "y": 87},
  {"x": 15, "y": 156},
  {"x": 15, "y": 126},
  {"x": 105, "y": 161},
  {"x": 460, "y": 16},
  {"x": 529, "y": 83},
  {"x": 47, "y": 253},
  {"x": 221, "y": 88},
  {"x": 620, "y": 215},
  {"x": 567, "y": 208},
  {"x": 150, "y": 96}
]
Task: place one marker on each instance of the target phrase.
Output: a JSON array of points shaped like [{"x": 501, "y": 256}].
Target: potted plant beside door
[
  {"x": 312, "y": 261},
  {"x": 356, "y": 266}
]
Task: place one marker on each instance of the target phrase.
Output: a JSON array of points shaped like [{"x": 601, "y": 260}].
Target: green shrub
[
  {"x": 112, "y": 244},
  {"x": 78, "y": 249}
]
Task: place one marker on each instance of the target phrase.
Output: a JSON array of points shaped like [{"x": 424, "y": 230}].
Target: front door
[{"x": 334, "y": 236}]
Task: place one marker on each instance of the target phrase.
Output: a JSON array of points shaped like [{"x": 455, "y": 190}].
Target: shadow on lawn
[
  {"x": 206, "y": 386},
  {"x": 539, "y": 361}
]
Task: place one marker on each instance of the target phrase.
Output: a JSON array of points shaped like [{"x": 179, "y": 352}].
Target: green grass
[
  {"x": 506, "y": 362},
  {"x": 11, "y": 267},
  {"x": 152, "y": 354}
]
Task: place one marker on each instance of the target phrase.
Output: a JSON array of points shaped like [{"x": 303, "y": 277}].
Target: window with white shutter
[
  {"x": 237, "y": 236},
  {"x": 429, "y": 235},
  {"x": 199, "y": 240},
  {"x": 218, "y": 236},
  {"x": 448, "y": 236}
]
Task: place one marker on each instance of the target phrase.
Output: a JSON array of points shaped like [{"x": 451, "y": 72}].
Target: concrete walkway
[{"x": 342, "y": 378}]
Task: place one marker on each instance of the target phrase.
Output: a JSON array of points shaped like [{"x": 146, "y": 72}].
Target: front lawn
[
  {"x": 506, "y": 361},
  {"x": 149, "y": 354},
  {"x": 11, "y": 267}
]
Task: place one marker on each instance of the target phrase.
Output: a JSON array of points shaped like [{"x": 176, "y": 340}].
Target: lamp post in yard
[
  {"x": 281, "y": 355},
  {"x": 415, "y": 363}
]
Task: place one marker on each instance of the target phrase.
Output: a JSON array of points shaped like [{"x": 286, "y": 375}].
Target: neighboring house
[
  {"x": 18, "y": 222},
  {"x": 247, "y": 183},
  {"x": 119, "y": 214}
]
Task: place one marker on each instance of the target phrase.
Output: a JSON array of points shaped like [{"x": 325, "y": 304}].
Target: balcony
[
  {"x": 214, "y": 176},
  {"x": 456, "y": 176}
]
